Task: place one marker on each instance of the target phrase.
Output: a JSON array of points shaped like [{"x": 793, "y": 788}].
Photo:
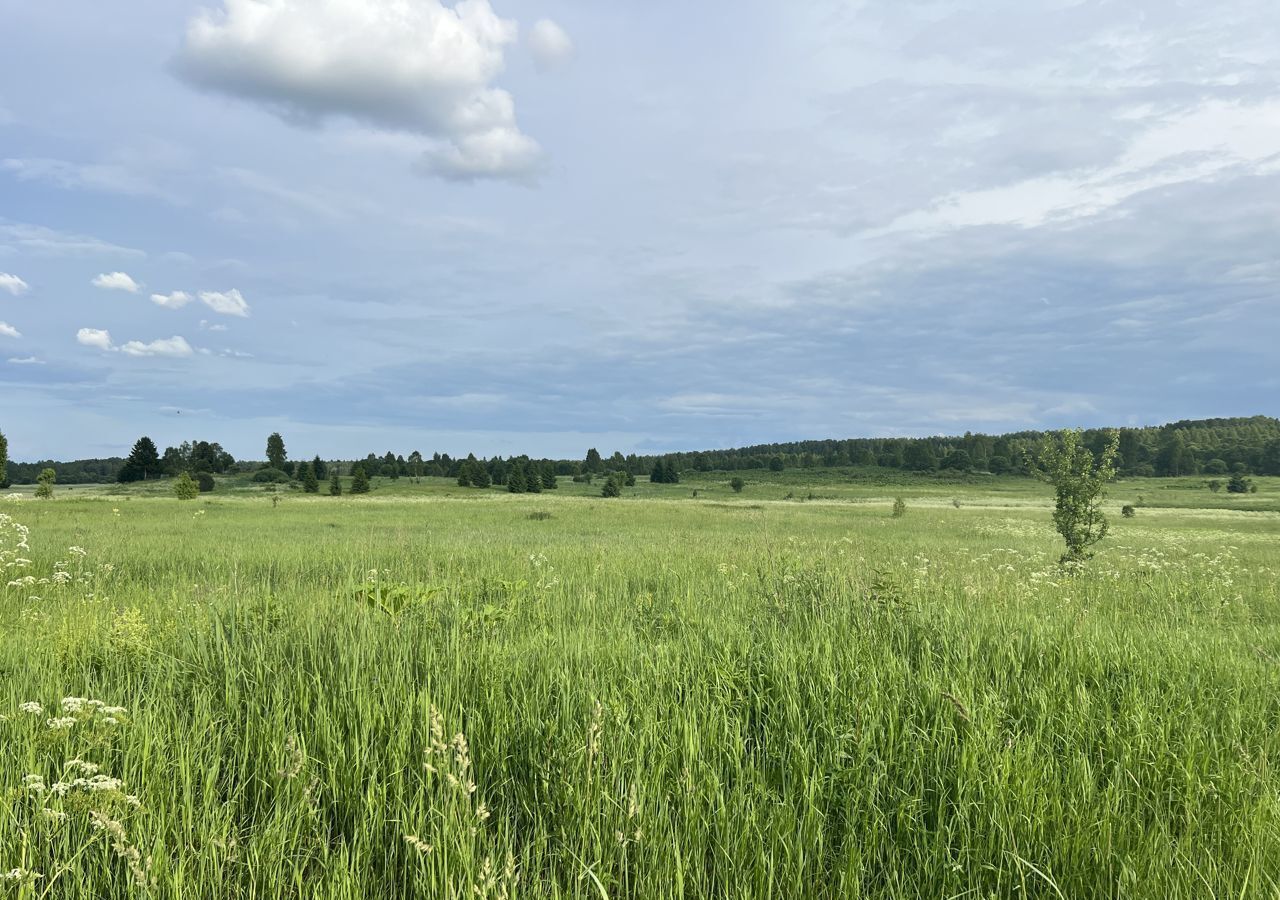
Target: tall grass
[{"x": 639, "y": 698}]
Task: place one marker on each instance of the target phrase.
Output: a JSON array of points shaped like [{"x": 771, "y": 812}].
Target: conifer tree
[
  {"x": 549, "y": 477},
  {"x": 184, "y": 488},
  {"x": 319, "y": 468},
  {"x": 516, "y": 482},
  {"x": 335, "y": 483},
  {"x": 533, "y": 479},
  {"x": 611, "y": 487},
  {"x": 480, "y": 476},
  {"x": 307, "y": 475},
  {"x": 359, "y": 480},
  {"x": 464, "y": 474}
]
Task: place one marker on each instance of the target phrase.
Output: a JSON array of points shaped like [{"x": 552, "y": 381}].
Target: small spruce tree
[
  {"x": 611, "y": 488},
  {"x": 359, "y": 480},
  {"x": 185, "y": 488},
  {"x": 307, "y": 475},
  {"x": 516, "y": 482},
  {"x": 335, "y": 483}
]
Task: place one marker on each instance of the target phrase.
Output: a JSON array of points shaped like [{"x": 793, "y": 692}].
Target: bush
[
  {"x": 899, "y": 507},
  {"x": 270, "y": 476},
  {"x": 1128, "y": 511},
  {"x": 738, "y": 484},
  {"x": 1238, "y": 484},
  {"x": 611, "y": 488},
  {"x": 205, "y": 482},
  {"x": 185, "y": 488}
]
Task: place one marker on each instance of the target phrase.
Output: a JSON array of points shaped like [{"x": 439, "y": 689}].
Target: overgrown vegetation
[{"x": 391, "y": 697}]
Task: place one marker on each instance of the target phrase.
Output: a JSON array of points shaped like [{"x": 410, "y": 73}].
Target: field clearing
[{"x": 661, "y": 696}]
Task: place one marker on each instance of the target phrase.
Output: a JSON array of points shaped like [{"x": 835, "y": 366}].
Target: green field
[{"x": 663, "y": 695}]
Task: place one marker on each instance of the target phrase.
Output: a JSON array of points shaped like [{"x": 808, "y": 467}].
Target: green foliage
[
  {"x": 737, "y": 484},
  {"x": 516, "y": 483},
  {"x": 307, "y": 476},
  {"x": 359, "y": 480},
  {"x": 1238, "y": 484},
  {"x": 612, "y": 487},
  {"x": 4, "y": 461},
  {"x": 45, "y": 483},
  {"x": 143, "y": 462},
  {"x": 1079, "y": 480},
  {"x": 276, "y": 454},
  {"x": 185, "y": 487},
  {"x": 1128, "y": 511},
  {"x": 205, "y": 482},
  {"x": 899, "y": 507},
  {"x": 662, "y": 697},
  {"x": 335, "y": 483},
  {"x": 320, "y": 468},
  {"x": 271, "y": 476}
]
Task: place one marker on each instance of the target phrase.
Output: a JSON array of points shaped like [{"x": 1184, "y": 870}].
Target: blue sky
[{"x": 541, "y": 225}]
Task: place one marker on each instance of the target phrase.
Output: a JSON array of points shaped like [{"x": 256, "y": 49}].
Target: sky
[{"x": 537, "y": 226}]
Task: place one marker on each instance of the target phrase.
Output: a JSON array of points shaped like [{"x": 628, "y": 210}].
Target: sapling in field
[{"x": 1079, "y": 480}]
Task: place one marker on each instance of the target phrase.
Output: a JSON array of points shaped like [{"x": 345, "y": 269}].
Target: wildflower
[
  {"x": 32, "y": 707},
  {"x": 78, "y": 551},
  {"x": 61, "y": 724},
  {"x": 20, "y": 876},
  {"x": 54, "y": 816},
  {"x": 34, "y": 783}
]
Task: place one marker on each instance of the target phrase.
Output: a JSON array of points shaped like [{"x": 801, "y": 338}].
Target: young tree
[
  {"x": 738, "y": 484},
  {"x": 899, "y": 507},
  {"x": 307, "y": 475},
  {"x": 611, "y": 487},
  {"x": 335, "y": 483},
  {"x": 549, "y": 477},
  {"x": 593, "y": 463},
  {"x": 516, "y": 482},
  {"x": 480, "y": 476},
  {"x": 276, "y": 454},
  {"x": 44, "y": 484},
  {"x": 1079, "y": 481},
  {"x": 359, "y": 480},
  {"x": 1238, "y": 484},
  {"x": 143, "y": 462},
  {"x": 415, "y": 466},
  {"x": 184, "y": 488},
  {"x": 204, "y": 481},
  {"x": 319, "y": 468},
  {"x": 464, "y": 474}
]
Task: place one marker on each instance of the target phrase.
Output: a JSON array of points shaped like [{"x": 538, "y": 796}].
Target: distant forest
[{"x": 1192, "y": 447}]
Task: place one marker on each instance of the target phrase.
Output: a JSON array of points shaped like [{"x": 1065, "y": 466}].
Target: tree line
[{"x": 1214, "y": 447}]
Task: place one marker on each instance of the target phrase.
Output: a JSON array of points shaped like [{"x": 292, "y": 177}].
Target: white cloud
[
  {"x": 175, "y": 300},
  {"x": 230, "y": 303},
  {"x": 7, "y": 330},
  {"x": 116, "y": 281},
  {"x": 26, "y": 361},
  {"x": 13, "y": 284},
  {"x": 95, "y": 337},
  {"x": 424, "y": 67},
  {"x": 206, "y": 325},
  {"x": 175, "y": 346},
  {"x": 549, "y": 44}
]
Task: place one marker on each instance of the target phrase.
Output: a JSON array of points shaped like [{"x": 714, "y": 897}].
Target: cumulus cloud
[
  {"x": 175, "y": 300},
  {"x": 425, "y": 68},
  {"x": 550, "y": 46},
  {"x": 13, "y": 284},
  {"x": 116, "y": 281},
  {"x": 95, "y": 337},
  {"x": 175, "y": 346},
  {"x": 7, "y": 330},
  {"x": 230, "y": 303}
]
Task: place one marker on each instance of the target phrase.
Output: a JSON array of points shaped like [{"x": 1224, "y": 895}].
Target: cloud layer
[{"x": 418, "y": 67}]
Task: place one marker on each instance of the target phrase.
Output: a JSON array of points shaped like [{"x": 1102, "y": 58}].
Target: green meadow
[{"x": 432, "y": 691}]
